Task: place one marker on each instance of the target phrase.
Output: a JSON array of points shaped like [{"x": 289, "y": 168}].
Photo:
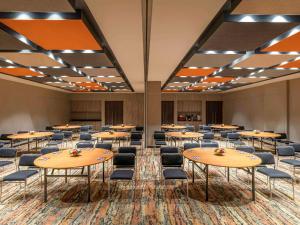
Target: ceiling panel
[
  {"x": 180, "y": 84},
  {"x": 20, "y": 72},
  {"x": 60, "y": 72},
  {"x": 109, "y": 79},
  {"x": 30, "y": 59},
  {"x": 294, "y": 64},
  {"x": 41, "y": 79},
  {"x": 100, "y": 71},
  {"x": 248, "y": 80},
  {"x": 264, "y": 60},
  {"x": 76, "y": 79},
  {"x": 185, "y": 79},
  {"x": 244, "y": 36},
  {"x": 4, "y": 64},
  {"x": 288, "y": 44},
  {"x": 271, "y": 73},
  {"x": 235, "y": 72},
  {"x": 195, "y": 72},
  {"x": 84, "y": 59},
  {"x": 55, "y": 34},
  {"x": 8, "y": 42},
  {"x": 211, "y": 60},
  {"x": 218, "y": 79},
  {"x": 36, "y": 6},
  {"x": 268, "y": 7}
]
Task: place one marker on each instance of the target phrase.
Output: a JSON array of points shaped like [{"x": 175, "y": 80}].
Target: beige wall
[
  {"x": 27, "y": 107},
  {"x": 269, "y": 107},
  {"x": 133, "y": 104}
]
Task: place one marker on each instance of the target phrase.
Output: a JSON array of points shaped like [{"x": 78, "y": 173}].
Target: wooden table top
[
  {"x": 67, "y": 127},
  {"x": 231, "y": 158},
  {"x": 170, "y": 126},
  {"x": 225, "y": 127},
  {"x": 260, "y": 134},
  {"x": 28, "y": 135},
  {"x": 184, "y": 135},
  {"x": 63, "y": 160},
  {"x": 120, "y": 127},
  {"x": 114, "y": 134}
]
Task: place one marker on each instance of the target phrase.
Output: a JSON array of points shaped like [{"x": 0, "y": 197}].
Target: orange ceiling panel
[
  {"x": 218, "y": 79},
  {"x": 55, "y": 34},
  {"x": 170, "y": 90},
  {"x": 195, "y": 72},
  {"x": 288, "y": 44},
  {"x": 93, "y": 86},
  {"x": 19, "y": 72},
  {"x": 196, "y": 88},
  {"x": 294, "y": 64}
]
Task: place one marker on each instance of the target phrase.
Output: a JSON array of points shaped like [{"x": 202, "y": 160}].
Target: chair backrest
[
  {"x": 296, "y": 146},
  {"x": 285, "y": 151},
  {"x": 190, "y": 128},
  {"x": 8, "y": 152},
  {"x": 282, "y": 136},
  {"x": 105, "y": 128},
  {"x": 168, "y": 149},
  {"x": 224, "y": 133},
  {"x": 124, "y": 159},
  {"x": 49, "y": 128},
  {"x": 267, "y": 158},
  {"x": 22, "y": 131},
  {"x": 28, "y": 159},
  {"x": 248, "y": 149},
  {"x": 233, "y": 136},
  {"x": 49, "y": 149},
  {"x": 67, "y": 133},
  {"x": 171, "y": 159},
  {"x": 107, "y": 146},
  {"x": 56, "y": 131},
  {"x": 209, "y": 145},
  {"x": 85, "y": 136},
  {"x": 136, "y": 136},
  {"x": 57, "y": 136},
  {"x": 190, "y": 145},
  {"x": 159, "y": 136},
  {"x": 205, "y": 127},
  {"x": 159, "y": 131},
  {"x": 130, "y": 149},
  {"x": 208, "y": 136},
  {"x": 139, "y": 128},
  {"x": 84, "y": 145},
  {"x": 84, "y": 128}
]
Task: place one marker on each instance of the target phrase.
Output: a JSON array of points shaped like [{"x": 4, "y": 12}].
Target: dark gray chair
[
  {"x": 288, "y": 151},
  {"x": 204, "y": 129},
  {"x": 296, "y": 147},
  {"x": 171, "y": 168},
  {"x": 125, "y": 164},
  {"x": 136, "y": 139},
  {"x": 85, "y": 128},
  {"x": 248, "y": 149},
  {"x": 160, "y": 139},
  {"x": 68, "y": 136},
  {"x": 49, "y": 149},
  {"x": 190, "y": 128},
  {"x": 21, "y": 176},
  {"x": 86, "y": 137},
  {"x": 105, "y": 128},
  {"x": 56, "y": 139},
  {"x": 85, "y": 144},
  {"x": 272, "y": 173},
  {"x": 190, "y": 145},
  {"x": 139, "y": 128},
  {"x": 235, "y": 139},
  {"x": 107, "y": 146},
  {"x": 209, "y": 145},
  {"x": 8, "y": 153},
  {"x": 168, "y": 149},
  {"x": 207, "y": 137},
  {"x": 130, "y": 149}
]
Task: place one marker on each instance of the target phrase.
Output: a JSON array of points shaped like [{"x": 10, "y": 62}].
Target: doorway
[
  {"x": 214, "y": 112},
  {"x": 113, "y": 112},
  {"x": 167, "y": 112}
]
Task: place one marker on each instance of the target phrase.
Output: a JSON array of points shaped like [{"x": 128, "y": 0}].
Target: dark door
[
  {"x": 214, "y": 112},
  {"x": 113, "y": 112},
  {"x": 167, "y": 112}
]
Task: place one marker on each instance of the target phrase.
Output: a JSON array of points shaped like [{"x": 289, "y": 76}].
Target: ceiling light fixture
[
  {"x": 279, "y": 19},
  {"x": 247, "y": 19}
]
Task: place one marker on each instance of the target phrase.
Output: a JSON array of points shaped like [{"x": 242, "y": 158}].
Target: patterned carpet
[{"x": 151, "y": 203}]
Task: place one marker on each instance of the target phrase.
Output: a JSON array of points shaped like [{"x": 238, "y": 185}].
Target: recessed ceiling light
[
  {"x": 55, "y": 16},
  {"x": 111, "y": 76},
  {"x": 279, "y": 19},
  {"x": 23, "y": 16},
  {"x": 88, "y": 51},
  {"x": 193, "y": 67},
  {"x": 28, "y": 76},
  {"x": 211, "y": 52},
  {"x": 67, "y": 51},
  {"x": 247, "y": 19}
]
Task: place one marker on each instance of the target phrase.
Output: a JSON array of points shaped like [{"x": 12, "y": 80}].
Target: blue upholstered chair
[
  {"x": 85, "y": 128},
  {"x": 209, "y": 145},
  {"x": 105, "y": 128},
  {"x": 68, "y": 136},
  {"x": 49, "y": 149},
  {"x": 85, "y": 144},
  {"x": 107, "y": 146},
  {"x": 171, "y": 168},
  {"x": 288, "y": 152},
  {"x": 56, "y": 139},
  {"x": 86, "y": 137},
  {"x": 234, "y": 138},
  {"x": 168, "y": 149},
  {"x": 207, "y": 137},
  {"x": 204, "y": 129},
  {"x": 8, "y": 153},
  {"x": 272, "y": 173},
  {"x": 136, "y": 139},
  {"x": 160, "y": 139},
  {"x": 125, "y": 168},
  {"x": 190, "y": 145},
  {"x": 248, "y": 149},
  {"x": 21, "y": 176}
]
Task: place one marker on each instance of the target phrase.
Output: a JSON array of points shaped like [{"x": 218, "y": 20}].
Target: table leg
[
  {"x": 193, "y": 171},
  {"x": 275, "y": 144},
  {"x": 89, "y": 183},
  {"x": 66, "y": 176},
  {"x": 45, "y": 185},
  {"x": 103, "y": 173},
  {"x": 228, "y": 174},
  {"x": 206, "y": 184},
  {"x": 36, "y": 144},
  {"x": 28, "y": 144},
  {"x": 253, "y": 183},
  {"x": 261, "y": 143},
  {"x": 253, "y": 141}
]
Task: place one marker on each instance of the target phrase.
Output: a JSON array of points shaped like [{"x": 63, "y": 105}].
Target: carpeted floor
[{"x": 151, "y": 203}]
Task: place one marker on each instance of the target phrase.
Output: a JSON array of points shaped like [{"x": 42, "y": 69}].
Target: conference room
[{"x": 149, "y": 112}]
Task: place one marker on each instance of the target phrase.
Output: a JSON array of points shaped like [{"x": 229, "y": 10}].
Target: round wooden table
[
  {"x": 173, "y": 127},
  {"x": 183, "y": 135},
  {"x": 122, "y": 127},
  {"x": 67, "y": 127},
  {"x": 224, "y": 127},
  {"x": 63, "y": 160},
  {"x": 230, "y": 159},
  {"x": 111, "y": 135},
  {"x": 28, "y": 136},
  {"x": 261, "y": 136}
]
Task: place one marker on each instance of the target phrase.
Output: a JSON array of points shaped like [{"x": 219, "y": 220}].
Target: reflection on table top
[{"x": 30, "y": 135}]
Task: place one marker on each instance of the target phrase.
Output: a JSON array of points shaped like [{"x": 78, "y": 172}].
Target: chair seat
[
  {"x": 160, "y": 143},
  {"x": 21, "y": 175},
  {"x": 174, "y": 174},
  {"x": 293, "y": 162},
  {"x": 273, "y": 173},
  {"x": 122, "y": 175},
  {"x": 54, "y": 142},
  {"x": 5, "y": 163},
  {"x": 237, "y": 142},
  {"x": 135, "y": 143}
]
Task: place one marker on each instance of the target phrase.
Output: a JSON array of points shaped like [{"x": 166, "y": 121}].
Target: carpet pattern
[{"x": 151, "y": 202}]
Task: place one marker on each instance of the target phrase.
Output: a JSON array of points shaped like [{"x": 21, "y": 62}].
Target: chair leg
[
  {"x": 108, "y": 187},
  {"x": 187, "y": 188},
  {"x": 270, "y": 187},
  {"x": 293, "y": 187},
  {"x": 25, "y": 189},
  {"x": 1, "y": 183}
]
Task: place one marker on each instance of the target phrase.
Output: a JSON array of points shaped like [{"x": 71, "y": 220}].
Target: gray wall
[
  {"x": 270, "y": 107},
  {"x": 27, "y": 107}
]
